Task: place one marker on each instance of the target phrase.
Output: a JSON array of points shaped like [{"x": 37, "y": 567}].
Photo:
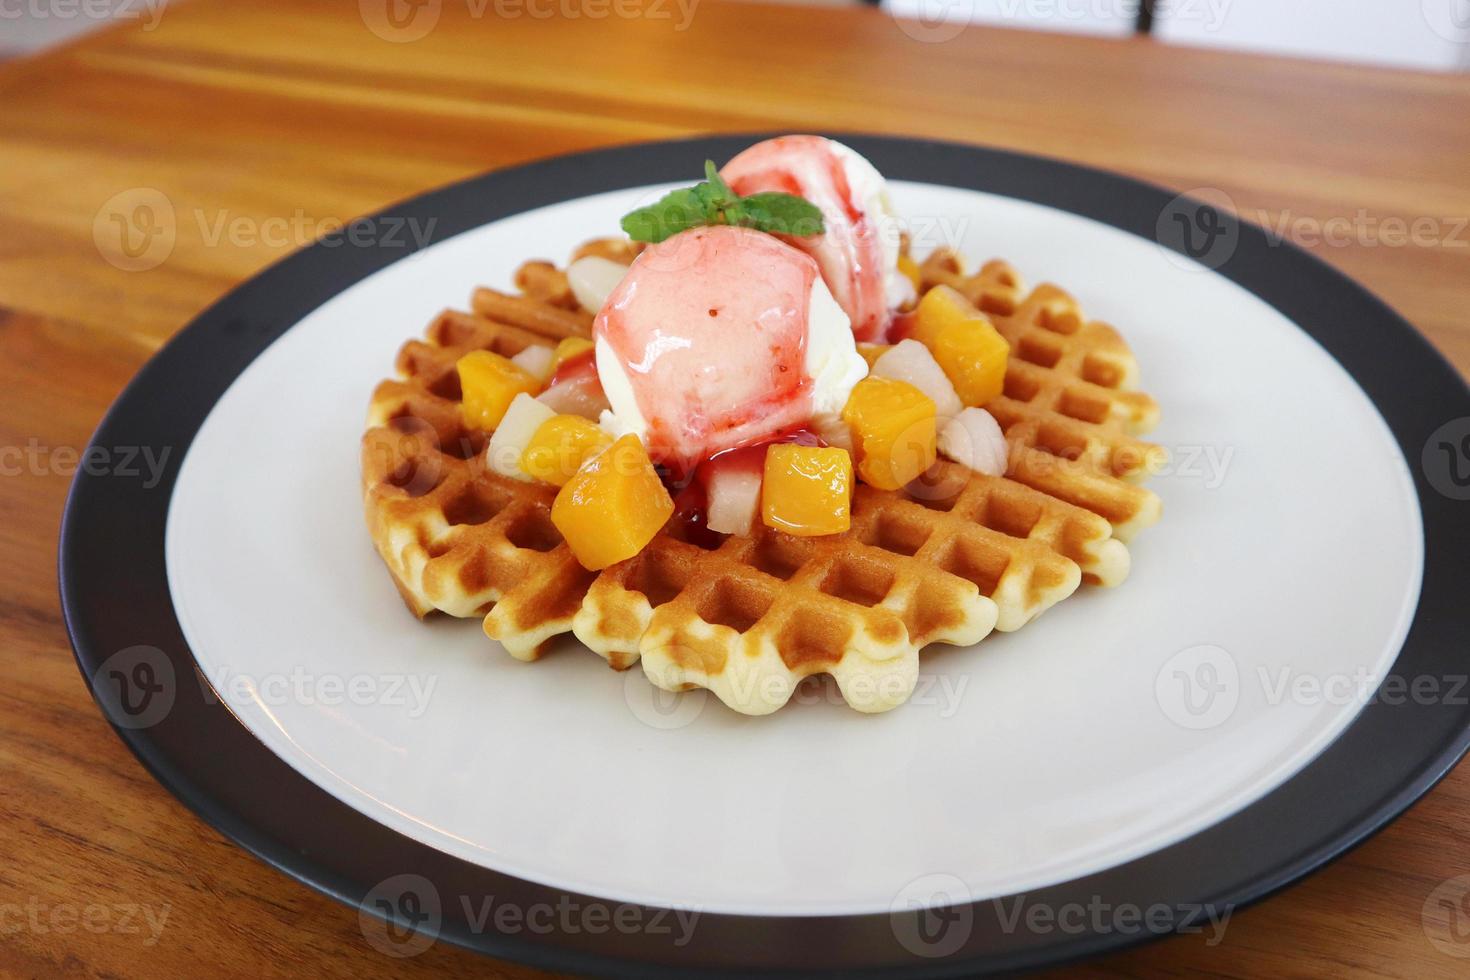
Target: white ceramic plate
[{"x": 1258, "y": 620}]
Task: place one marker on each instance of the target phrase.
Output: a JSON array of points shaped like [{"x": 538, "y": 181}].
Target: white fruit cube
[
  {"x": 592, "y": 278},
  {"x": 537, "y": 361},
  {"x": 734, "y": 499},
  {"x": 910, "y": 361},
  {"x": 524, "y": 416},
  {"x": 973, "y": 438}
]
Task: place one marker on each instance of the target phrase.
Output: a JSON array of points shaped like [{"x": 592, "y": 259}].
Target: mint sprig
[{"x": 712, "y": 202}]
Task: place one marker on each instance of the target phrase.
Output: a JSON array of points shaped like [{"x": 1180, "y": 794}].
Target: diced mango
[
  {"x": 871, "y": 352},
  {"x": 488, "y": 384},
  {"x": 571, "y": 347},
  {"x": 910, "y": 269},
  {"x": 613, "y": 506},
  {"x": 964, "y": 342},
  {"x": 560, "y": 446},
  {"x": 893, "y": 428},
  {"x": 807, "y": 490}
]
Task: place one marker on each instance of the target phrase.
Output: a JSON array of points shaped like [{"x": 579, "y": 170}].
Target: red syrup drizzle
[{"x": 900, "y": 327}]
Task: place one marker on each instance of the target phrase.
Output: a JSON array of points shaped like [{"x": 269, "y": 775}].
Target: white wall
[
  {"x": 1106, "y": 17},
  {"x": 1432, "y": 34}
]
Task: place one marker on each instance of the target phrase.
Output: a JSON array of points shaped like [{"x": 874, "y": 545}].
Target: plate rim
[{"x": 109, "y": 599}]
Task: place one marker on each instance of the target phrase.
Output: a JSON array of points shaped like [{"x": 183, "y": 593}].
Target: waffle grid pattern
[{"x": 946, "y": 560}]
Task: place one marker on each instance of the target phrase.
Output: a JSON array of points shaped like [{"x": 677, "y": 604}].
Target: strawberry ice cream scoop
[
  {"x": 858, "y": 250},
  {"x": 721, "y": 337}
]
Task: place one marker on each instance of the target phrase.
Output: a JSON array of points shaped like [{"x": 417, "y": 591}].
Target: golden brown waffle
[
  {"x": 1069, "y": 410},
  {"x": 946, "y": 560}
]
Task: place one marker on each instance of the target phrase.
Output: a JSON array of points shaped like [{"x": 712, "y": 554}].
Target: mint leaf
[
  {"x": 676, "y": 211},
  {"x": 781, "y": 214},
  {"x": 712, "y": 202},
  {"x": 717, "y": 183}
]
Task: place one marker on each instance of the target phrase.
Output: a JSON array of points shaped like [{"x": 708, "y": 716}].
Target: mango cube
[
  {"x": 807, "y": 490},
  {"x": 893, "y": 427},
  {"x": 559, "y": 447},
  {"x": 571, "y": 347},
  {"x": 964, "y": 342},
  {"x": 613, "y": 506},
  {"x": 488, "y": 384}
]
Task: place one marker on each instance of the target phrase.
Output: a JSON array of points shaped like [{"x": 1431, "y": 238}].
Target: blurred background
[{"x": 1431, "y": 35}]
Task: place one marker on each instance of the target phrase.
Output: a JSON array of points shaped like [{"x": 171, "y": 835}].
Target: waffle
[
  {"x": 1069, "y": 411},
  {"x": 948, "y": 559}
]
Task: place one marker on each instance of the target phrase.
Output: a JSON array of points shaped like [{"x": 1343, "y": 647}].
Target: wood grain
[{"x": 271, "y": 110}]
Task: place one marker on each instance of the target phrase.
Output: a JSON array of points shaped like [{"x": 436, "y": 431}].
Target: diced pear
[
  {"x": 734, "y": 498},
  {"x": 580, "y": 394},
  {"x": 537, "y": 361},
  {"x": 911, "y": 361},
  {"x": 592, "y": 278},
  {"x": 508, "y": 444},
  {"x": 973, "y": 438}
]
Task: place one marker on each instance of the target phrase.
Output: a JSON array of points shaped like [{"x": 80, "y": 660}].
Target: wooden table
[{"x": 303, "y": 114}]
